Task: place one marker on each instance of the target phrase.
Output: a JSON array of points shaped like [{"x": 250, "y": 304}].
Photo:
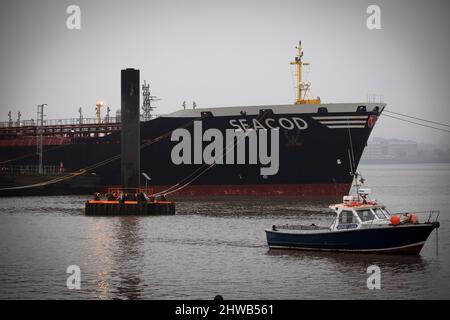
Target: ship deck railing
[
  {"x": 58, "y": 122},
  {"x": 75, "y": 127},
  {"x": 67, "y": 122}
]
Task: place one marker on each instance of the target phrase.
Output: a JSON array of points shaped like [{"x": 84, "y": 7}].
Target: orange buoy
[
  {"x": 395, "y": 220},
  {"x": 414, "y": 218}
]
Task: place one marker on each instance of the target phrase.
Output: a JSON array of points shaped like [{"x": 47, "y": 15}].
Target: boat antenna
[{"x": 351, "y": 157}]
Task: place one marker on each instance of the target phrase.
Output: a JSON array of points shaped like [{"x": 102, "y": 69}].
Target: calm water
[{"x": 216, "y": 247}]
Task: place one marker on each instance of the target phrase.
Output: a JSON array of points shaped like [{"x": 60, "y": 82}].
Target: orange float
[{"x": 395, "y": 220}]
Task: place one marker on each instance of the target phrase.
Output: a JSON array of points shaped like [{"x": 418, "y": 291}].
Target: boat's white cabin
[{"x": 359, "y": 212}]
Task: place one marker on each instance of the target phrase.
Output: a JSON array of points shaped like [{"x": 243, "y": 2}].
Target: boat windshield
[
  {"x": 381, "y": 213},
  {"x": 347, "y": 220},
  {"x": 365, "y": 215}
]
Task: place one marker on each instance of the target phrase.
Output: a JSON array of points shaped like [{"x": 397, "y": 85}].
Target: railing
[
  {"x": 375, "y": 98},
  {"x": 431, "y": 215},
  {"x": 119, "y": 190},
  {"x": 300, "y": 227},
  {"x": 31, "y": 169},
  {"x": 66, "y": 122},
  {"x": 58, "y": 122}
]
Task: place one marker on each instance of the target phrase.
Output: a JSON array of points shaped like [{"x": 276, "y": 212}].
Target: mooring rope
[
  {"x": 418, "y": 118},
  {"x": 179, "y": 186}
]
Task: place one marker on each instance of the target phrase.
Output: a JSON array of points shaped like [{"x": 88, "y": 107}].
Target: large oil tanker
[{"x": 307, "y": 148}]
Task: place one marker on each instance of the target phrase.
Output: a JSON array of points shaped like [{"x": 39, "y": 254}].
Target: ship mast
[
  {"x": 302, "y": 87},
  {"x": 147, "y": 107}
]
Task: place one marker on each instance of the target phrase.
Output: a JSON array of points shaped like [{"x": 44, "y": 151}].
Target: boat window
[
  {"x": 347, "y": 217},
  {"x": 386, "y": 213},
  {"x": 365, "y": 215},
  {"x": 380, "y": 214}
]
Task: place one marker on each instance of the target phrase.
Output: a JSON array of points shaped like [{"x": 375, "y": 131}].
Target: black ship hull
[{"x": 318, "y": 147}]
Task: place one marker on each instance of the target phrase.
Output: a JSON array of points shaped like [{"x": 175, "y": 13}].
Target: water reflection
[
  {"x": 343, "y": 261},
  {"x": 129, "y": 252},
  {"x": 102, "y": 242},
  {"x": 118, "y": 257}
]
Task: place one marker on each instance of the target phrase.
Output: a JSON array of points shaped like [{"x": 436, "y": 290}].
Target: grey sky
[{"x": 224, "y": 53}]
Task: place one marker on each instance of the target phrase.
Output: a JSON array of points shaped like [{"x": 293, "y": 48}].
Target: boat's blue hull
[{"x": 402, "y": 239}]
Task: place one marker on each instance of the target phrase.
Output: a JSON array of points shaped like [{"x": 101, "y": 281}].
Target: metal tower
[
  {"x": 147, "y": 107},
  {"x": 40, "y": 139}
]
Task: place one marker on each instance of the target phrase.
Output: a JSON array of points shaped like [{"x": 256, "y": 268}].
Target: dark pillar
[{"x": 131, "y": 135}]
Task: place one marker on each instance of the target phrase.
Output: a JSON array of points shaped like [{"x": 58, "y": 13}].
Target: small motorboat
[{"x": 361, "y": 226}]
